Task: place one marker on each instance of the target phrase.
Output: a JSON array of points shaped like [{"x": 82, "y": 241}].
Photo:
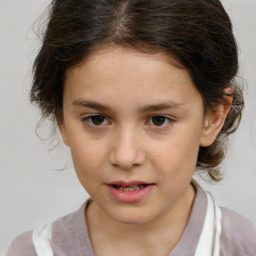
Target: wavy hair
[{"x": 197, "y": 33}]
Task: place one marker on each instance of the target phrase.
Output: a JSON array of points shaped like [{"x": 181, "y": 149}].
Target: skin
[{"x": 128, "y": 144}]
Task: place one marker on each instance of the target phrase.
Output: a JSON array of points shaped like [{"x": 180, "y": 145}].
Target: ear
[
  {"x": 63, "y": 133},
  {"x": 215, "y": 120}
]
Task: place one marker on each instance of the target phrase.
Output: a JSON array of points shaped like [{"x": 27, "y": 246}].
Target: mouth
[
  {"x": 130, "y": 192},
  {"x": 130, "y": 188}
]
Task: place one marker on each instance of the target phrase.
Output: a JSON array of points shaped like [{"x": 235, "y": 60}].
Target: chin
[{"x": 131, "y": 217}]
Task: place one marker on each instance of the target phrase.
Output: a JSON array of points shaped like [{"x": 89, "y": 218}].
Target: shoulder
[
  {"x": 61, "y": 238},
  {"x": 22, "y": 245},
  {"x": 69, "y": 237},
  {"x": 70, "y": 234},
  {"x": 238, "y": 235}
]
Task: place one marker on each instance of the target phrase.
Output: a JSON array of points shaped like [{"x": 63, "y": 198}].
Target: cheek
[
  {"x": 88, "y": 157},
  {"x": 177, "y": 157},
  {"x": 87, "y": 161}
]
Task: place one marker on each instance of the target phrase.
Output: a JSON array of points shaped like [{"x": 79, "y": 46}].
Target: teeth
[{"x": 130, "y": 188}]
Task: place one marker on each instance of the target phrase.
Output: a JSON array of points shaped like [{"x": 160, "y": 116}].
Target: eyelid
[
  {"x": 171, "y": 121},
  {"x": 87, "y": 117}
]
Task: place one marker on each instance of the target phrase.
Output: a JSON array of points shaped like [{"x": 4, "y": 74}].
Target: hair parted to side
[{"x": 197, "y": 33}]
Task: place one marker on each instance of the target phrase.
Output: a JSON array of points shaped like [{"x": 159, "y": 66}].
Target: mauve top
[{"x": 70, "y": 235}]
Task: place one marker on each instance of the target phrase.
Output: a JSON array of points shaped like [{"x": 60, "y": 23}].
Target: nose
[{"x": 126, "y": 150}]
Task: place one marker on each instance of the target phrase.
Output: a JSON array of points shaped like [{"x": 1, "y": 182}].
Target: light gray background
[{"x": 31, "y": 192}]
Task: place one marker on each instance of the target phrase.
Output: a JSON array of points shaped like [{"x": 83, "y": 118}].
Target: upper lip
[{"x": 128, "y": 183}]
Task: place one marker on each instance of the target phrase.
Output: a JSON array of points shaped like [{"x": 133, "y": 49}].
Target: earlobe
[
  {"x": 63, "y": 133},
  {"x": 215, "y": 120}
]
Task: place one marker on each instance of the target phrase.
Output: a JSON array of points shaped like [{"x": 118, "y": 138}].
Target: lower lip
[{"x": 130, "y": 196}]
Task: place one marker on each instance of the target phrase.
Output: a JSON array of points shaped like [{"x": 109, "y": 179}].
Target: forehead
[
  {"x": 118, "y": 55},
  {"x": 118, "y": 72}
]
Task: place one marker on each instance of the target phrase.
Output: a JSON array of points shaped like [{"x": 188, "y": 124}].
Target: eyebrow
[
  {"x": 90, "y": 104},
  {"x": 147, "y": 108},
  {"x": 161, "y": 106}
]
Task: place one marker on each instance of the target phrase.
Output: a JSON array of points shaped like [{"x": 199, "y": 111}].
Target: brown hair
[{"x": 197, "y": 33}]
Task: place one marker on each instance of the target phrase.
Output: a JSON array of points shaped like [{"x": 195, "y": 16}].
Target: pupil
[
  {"x": 97, "y": 119},
  {"x": 158, "y": 120}
]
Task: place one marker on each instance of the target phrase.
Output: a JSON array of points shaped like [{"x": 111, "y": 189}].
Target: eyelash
[
  {"x": 88, "y": 121},
  {"x": 166, "y": 119},
  {"x": 88, "y": 118}
]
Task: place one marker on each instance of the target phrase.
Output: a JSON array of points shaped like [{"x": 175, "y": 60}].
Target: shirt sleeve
[
  {"x": 238, "y": 235},
  {"x": 22, "y": 245}
]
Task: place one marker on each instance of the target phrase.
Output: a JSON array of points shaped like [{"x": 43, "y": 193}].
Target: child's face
[{"x": 133, "y": 119}]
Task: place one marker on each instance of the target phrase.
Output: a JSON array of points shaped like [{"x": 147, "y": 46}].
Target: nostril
[{"x": 126, "y": 155}]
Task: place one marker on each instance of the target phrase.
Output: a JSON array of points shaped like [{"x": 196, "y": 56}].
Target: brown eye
[
  {"x": 160, "y": 121},
  {"x": 95, "y": 120}
]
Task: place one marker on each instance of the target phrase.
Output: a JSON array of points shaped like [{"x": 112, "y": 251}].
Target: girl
[{"x": 143, "y": 93}]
